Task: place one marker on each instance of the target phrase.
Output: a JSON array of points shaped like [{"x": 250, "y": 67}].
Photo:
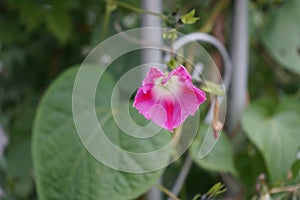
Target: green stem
[
  {"x": 139, "y": 10},
  {"x": 167, "y": 192},
  {"x": 172, "y": 55},
  {"x": 215, "y": 13},
  {"x": 106, "y": 21}
]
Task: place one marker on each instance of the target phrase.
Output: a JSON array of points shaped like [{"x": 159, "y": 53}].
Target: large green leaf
[
  {"x": 64, "y": 169},
  {"x": 220, "y": 159},
  {"x": 274, "y": 129},
  {"x": 281, "y": 32}
]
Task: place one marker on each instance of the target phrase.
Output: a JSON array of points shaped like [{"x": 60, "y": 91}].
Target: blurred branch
[
  {"x": 55, "y": 62},
  {"x": 182, "y": 175},
  {"x": 108, "y": 9},
  {"x": 292, "y": 189},
  {"x": 141, "y": 42},
  {"x": 207, "y": 27},
  {"x": 137, "y": 9},
  {"x": 262, "y": 189}
]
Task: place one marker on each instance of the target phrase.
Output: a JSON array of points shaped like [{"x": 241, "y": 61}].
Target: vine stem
[
  {"x": 138, "y": 10},
  {"x": 215, "y": 13},
  {"x": 108, "y": 11},
  {"x": 285, "y": 189},
  {"x": 167, "y": 192}
]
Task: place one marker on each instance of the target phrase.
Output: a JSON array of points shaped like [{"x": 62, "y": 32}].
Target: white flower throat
[{"x": 169, "y": 89}]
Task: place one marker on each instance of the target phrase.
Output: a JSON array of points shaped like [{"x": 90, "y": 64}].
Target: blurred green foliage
[{"x": 40, "y": 39}]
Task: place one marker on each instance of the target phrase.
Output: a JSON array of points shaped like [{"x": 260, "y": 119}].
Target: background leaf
[
  {"x": 249, "y": 163},
  {"x": 59, "y": 23},
  {"x": 220, "y": 159},
  {"x": 64, "y": 168},
  {"x": 275, "y": 132},
  {"x": 280, "y": 34}
]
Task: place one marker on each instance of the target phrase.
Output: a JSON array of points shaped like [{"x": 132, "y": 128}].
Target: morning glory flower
[{"x": 168, "y": 100}]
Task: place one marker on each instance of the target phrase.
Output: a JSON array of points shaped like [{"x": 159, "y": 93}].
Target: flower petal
[
  {"x": 181, "y": 72},
  {"x": 143, "y": 101},
  {"x": 152, "y": 75}
]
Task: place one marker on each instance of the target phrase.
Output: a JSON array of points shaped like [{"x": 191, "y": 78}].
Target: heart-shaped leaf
[
  {"x": 274, "y": 129},
  {"x": 64, "y": 169}
]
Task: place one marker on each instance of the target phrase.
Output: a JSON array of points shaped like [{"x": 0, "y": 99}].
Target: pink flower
[{"x": 168, "y": 100}]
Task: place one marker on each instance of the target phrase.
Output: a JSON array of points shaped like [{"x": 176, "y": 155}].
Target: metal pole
[
  {"x": 152, "y": 56},
  {"x": 239, "y": 56}
]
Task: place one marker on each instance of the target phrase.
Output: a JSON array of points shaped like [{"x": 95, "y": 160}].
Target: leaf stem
[{"x": 167, "y": 192}]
